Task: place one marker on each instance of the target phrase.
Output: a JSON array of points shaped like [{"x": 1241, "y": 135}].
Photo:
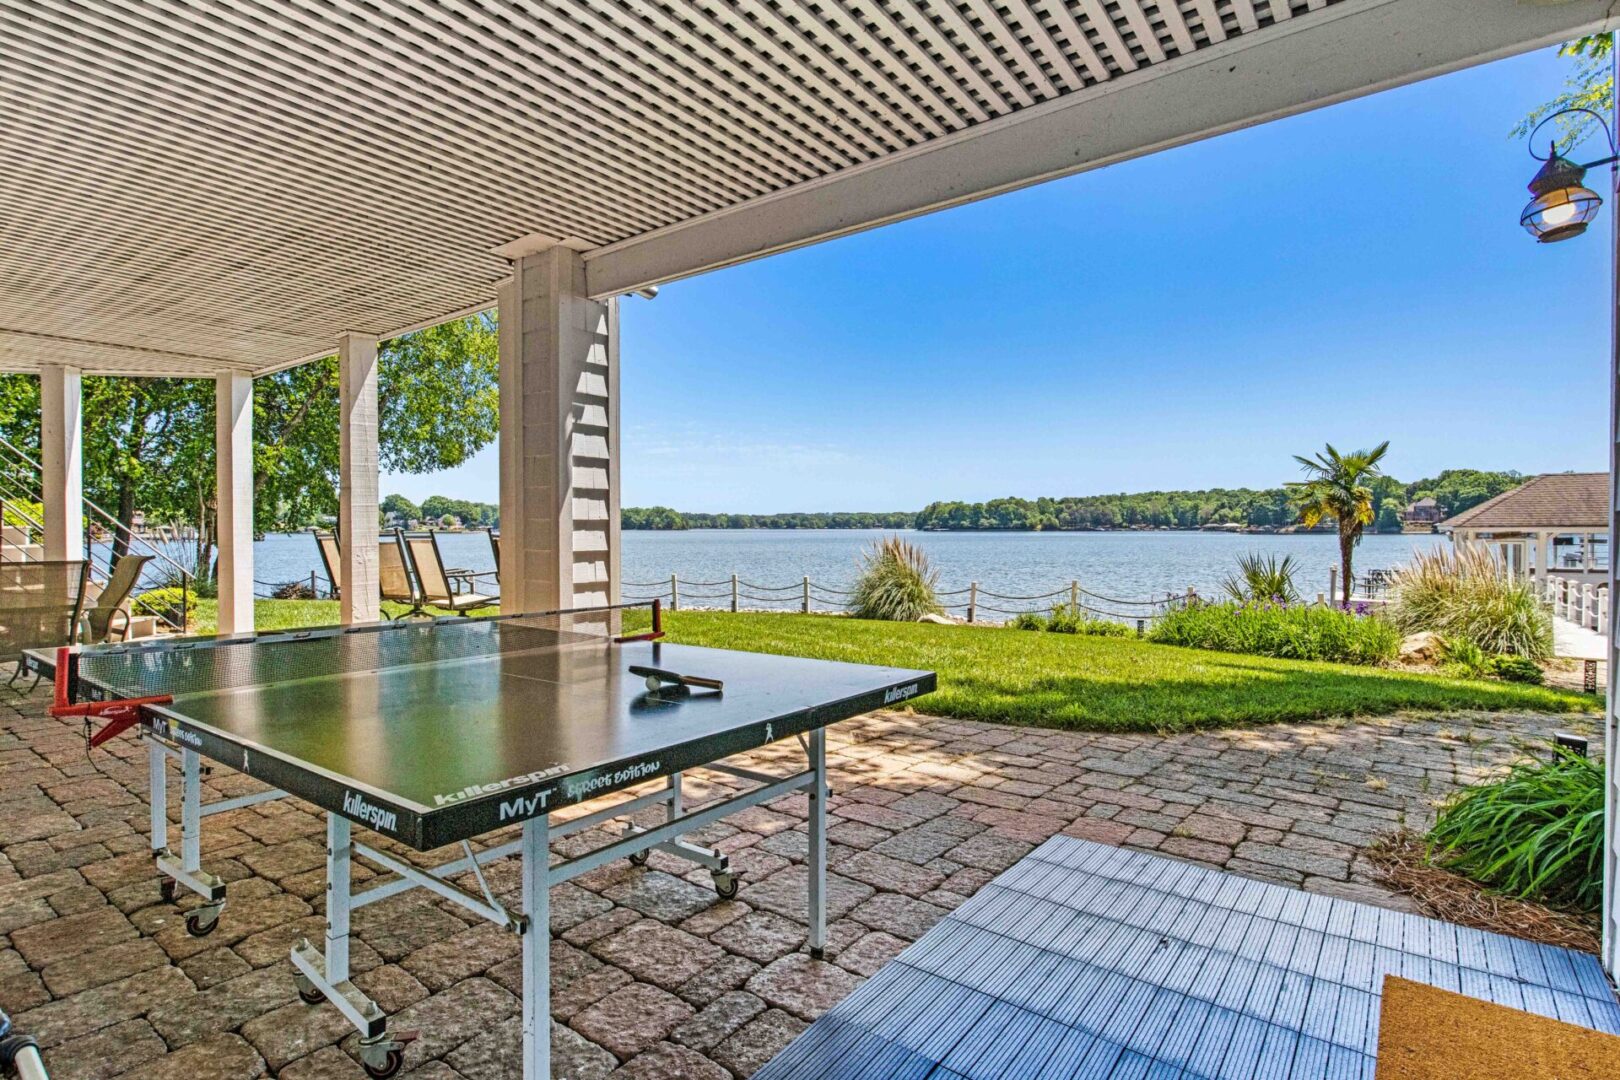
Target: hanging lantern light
[{"x": 1563, "y": 206}]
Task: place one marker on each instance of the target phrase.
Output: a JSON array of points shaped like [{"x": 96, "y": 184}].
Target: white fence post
[
  {"x": 973, "y": 599},
  {"x": 674, "y": 593},
  {"x": 1074, "y": 597},
  {"x": 807, "y": 594},
  {"x": 1333, "y": 584},
  {"x": 733, "y": 594}
]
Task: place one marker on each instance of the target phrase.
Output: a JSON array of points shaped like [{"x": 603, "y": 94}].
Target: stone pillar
[
  {"x": 559, "y": 437},
  {"x": 357, "y": 479},
  {"x": 233, "y": 447},
  {"x": 61, "y": 444}
]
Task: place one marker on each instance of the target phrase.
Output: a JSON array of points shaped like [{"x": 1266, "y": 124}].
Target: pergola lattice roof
[{"x": 196, "y": 185}]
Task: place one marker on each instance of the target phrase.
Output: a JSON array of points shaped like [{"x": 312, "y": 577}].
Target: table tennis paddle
[{"x": 658, "y": 678}]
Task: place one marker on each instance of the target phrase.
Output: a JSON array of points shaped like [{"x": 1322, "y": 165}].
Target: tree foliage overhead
[
  {"x": 1590, "y": 85},
  {"x": 149, "y": 443}
]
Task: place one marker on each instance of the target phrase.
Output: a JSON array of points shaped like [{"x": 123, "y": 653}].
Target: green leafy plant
[
  {"x": 1465, "y": 594},
  {"x": 1262, "y": 578},
  {"x": 896, "y": 583},
  {"x": 1466, "y": 658},
  {"x": 1291, "y": 632},
  {"x": 166, "y": 602},
  {"x": 1066, "y": 619},
  {"x": 1026, "y": 620},
  {"x": 1535, "y": 834},
  {"x": 1518, "y": 669}
]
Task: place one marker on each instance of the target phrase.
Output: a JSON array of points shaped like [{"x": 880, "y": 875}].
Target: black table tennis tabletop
[{"x": 438, "y": 732}]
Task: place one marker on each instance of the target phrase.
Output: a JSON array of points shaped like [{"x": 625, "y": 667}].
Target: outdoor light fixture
[{"x": 1563, "y": 205}]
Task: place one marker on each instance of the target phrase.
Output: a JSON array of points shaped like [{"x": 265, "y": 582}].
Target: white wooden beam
[
  {"x": 357, "y": 479},
  {"x": 233, "y": 448},
  {"x": 61, "y": 444},
  {"x": 559, "y": 434},
  {"x": 1346, "y": 50}
]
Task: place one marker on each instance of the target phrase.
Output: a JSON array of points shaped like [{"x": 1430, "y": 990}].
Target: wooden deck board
[{"x": 1088, "y": 961}]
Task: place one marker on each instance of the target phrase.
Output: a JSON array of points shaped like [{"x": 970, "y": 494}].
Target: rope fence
[{"x": 970, "y": 601}]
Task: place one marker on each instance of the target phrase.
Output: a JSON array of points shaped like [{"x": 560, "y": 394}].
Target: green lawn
[
  {"x": 1063, "y": 680},
  {"x": 1107, "y": 684}
]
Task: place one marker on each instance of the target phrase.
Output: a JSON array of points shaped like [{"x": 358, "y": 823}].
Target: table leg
[
  {"x": 339, "y": 867},
  {"x": 817, "y": 859},
  {"x": 157, "y": 779},
  {"x": 190, "y": 811},
  {"x": 537, "y": 949}
]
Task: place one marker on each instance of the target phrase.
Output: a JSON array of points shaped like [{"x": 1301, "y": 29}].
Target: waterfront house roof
[{"x": 1570, "y": 500}]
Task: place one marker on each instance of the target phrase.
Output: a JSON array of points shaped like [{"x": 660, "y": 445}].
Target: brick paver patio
[{"x": 654, "y": 976}]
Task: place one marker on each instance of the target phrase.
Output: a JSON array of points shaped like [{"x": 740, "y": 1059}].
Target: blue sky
[{"x": 1186, "y": 320}]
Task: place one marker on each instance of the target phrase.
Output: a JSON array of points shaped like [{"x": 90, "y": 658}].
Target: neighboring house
[
  {"x": 1422, "y": 515},
  {"x": 1557, "y": 523}
]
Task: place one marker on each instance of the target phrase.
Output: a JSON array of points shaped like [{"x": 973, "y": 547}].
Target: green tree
[
  {"x": 1336, "y": 487},
  {"x": 1590, "y": 85},
  {"x": 401, "y": 507}
]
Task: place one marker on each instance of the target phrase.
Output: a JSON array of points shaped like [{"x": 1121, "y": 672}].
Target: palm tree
[{"x": 1334, "y": 488}]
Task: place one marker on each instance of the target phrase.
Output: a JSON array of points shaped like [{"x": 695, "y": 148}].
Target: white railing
[{"x": 1584, "y": 603}]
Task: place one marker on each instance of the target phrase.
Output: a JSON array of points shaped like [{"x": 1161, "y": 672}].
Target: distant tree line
[
  {"x": 663, "y": 518},
  {"x": 1455, "y": 490}
]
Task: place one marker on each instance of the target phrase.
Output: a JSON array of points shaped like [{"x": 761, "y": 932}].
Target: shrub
[
  {"x": 1068, "y": 620},
  {"x": 1536, "y": 833},
  {"x": 1289, "y": 632},
  {"x": 896, "y": 583},
  {"x": 1262, "y": 578},
  {"x": 165, "y": 603},
  {"x": 1517, "y": 669},
  {"x": 1026, "y": 620},
  {"x": 1465, "y": 594},
  {"x": 1465, "y": 658}
]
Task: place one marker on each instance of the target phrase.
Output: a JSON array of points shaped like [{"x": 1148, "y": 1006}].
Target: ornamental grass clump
[
  {"x": 1285, "y": 631},
  {"x": 896, "y": 583},
  {"x": 1535, "y": 834},
  {"x": 1465, "y": 594},
  {"x": 1263, "y": 577}
]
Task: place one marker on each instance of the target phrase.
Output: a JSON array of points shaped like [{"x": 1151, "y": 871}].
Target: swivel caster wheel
[
  {"x": 726, "y": 884},
  {"x": 166, "y": 889},
  {"x": 639, "y": 858},
  {"x": 201, "y": 923},
  {"x": 393, "y": 1061},
  {"x": 307, "y": 991}
]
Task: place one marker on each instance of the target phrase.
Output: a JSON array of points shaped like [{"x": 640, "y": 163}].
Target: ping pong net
[{"x": 114, "y": 682}]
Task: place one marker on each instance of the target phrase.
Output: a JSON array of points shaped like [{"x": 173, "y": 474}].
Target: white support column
[
  {"x": 357, "y": 479},
  {"x": 559, "y": 437},
  {"x": 61, "y": 444},
  {"x": 1609, "y": 947},
  {"x": 233, "y": 447}
]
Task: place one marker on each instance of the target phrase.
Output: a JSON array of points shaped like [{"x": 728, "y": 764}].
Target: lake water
[{"x": 1127, "y": 565}]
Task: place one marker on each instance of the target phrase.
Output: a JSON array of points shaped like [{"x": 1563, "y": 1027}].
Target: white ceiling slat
[
  {"x": 788, "y": 42},
  {"x": 1137, "y": 20},
  {"x": 900, "y": 52},
  {"x": 967, "y": 85},
  {"x": 1099, "y": 19},
  {"x": 982, "y": 48},
  {"x": 1248, "y": 21},
  {"x": 1091, "y": 62},
  {"x": 1211, "y": 19},
  {"x": 633, "y": 115},
  {"x": 1176, "y": 23},
  {"x": 346, "y": 124},
  {"x": 575, "y": 37},
  {"x": 727, "y": 52},
  {"x": 191, "y": 184},
  {"x": 994, "y": 26}
]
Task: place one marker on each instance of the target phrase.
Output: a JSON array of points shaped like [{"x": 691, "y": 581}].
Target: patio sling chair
[
  {"x": 464, "y": 580},
  {"x": 327, "y": 542},
  {"x": 394, "y": 574},
  {"x": 41, "y": 606},
  {"x": 435, "y": 583},
  {"x": 112, "y": 604}
]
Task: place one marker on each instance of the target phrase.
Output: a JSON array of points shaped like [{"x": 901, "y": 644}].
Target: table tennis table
[{"x": 434, "y": 733}]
